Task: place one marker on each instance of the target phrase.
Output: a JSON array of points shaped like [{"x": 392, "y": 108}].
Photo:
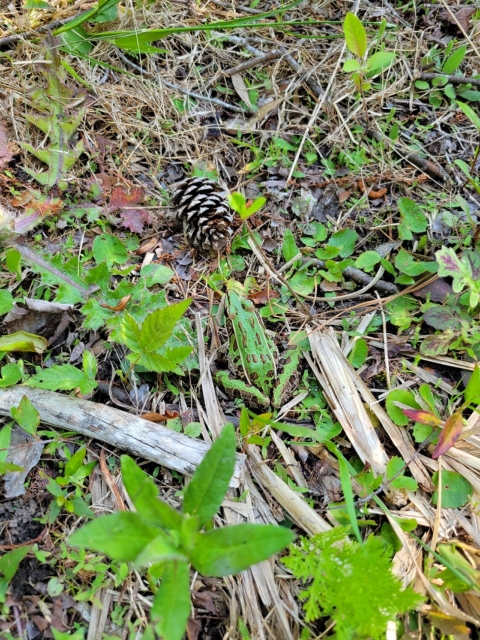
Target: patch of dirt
[{"x": 18, "y": 522}]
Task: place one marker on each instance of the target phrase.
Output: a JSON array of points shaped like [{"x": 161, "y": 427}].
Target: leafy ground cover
[{"x": 337, "y": 331}]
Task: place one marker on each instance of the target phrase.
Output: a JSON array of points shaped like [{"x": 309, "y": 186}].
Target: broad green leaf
[
  {"x": 5, "y": 437},
  {"x": 76, "y": 41},
  {"x": 367, "y": 260},
  {"x": 470, "y": 113},
  {"x": 26, "y": 415},
  {"x": 380, "y": 60},
  {"x": 412, "y": 218},
  {"x": 11, "y": 374},
  {"x": 205, "y": 492},
  {"x": 302, "y": 283},
  {"x": 359, "y": 353},
  {"x": 453, "y": 61},
  {"x": 456, "y": 490},
  {"x": 156, "y": 274},
  {"x": 232, "y": 549},
  {"x": 344, "y": 241},
  {"x": 130, "y": 333},
  {"x": 110, "y": 249},
  {"x": 289, "y": 246},
  {"x": 90, "y": 365},
  {"x": 62, "y": 377},
  {"x": 23, "y": 341},
  {"x": 351, "y": 65},
  {"x": 395, "y": 413},
  {"x": 254, "y": 207},
  {"x": 355, "y": 35},
  {"x": 155, "y": 362},
  {"x": 237, "y": 201},
  {"x": 144, "y": 495},
  {"x": 120, "y": 536},
  {"x": 100, "y": 7},
  {"x": 158, "y": 326},
  {"x": 9, "y": 562},
  {"x": 6, "y": 301},
  {"x": 171, "y": 605},
  {"x": 472, "y": 390}
]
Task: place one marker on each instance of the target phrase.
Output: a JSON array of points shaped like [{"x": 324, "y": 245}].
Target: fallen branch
[
  {"x": 451, "y": 79},
  {"x": 125, "y": 431}
]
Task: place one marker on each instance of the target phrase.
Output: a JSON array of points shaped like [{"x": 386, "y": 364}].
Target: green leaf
[
  {"x": 367, "y": 260},
  {"x": 6, "y": 301},
  {"x": 351, "y": 65},
  {"x": 359, "y": 353},
  {"x": 412, "y": 218},
  {"x": 395, "y": 413},
  {"x": 23, "y": 341},
  {"x": 75, "y": 462},
  {"x": 205, "y": 492},
  {"x": 232, "y": 549},
  {"x": 120, "y": 536},
  {"x": 472, "y": 390},
  {"x": 237, "y": 202},
  {"x": 346, "y": 481},
  {"x": 160, "y": 549},
  {"x": 110, "y": 249},
  {"x": 394, "y": 466},
  {"x": 156, "y": 274},
  {"x": 254, "y": 207},
  {"x": 89, "y": 364},
  {"x": 144, "y": 495},
  {"x": 62, "y": 377},
  {"x": 289, "y": 246},
  {"x": 76, "y": 42},
  {"x": 470, "y": 113},
  {"x": 7, "y": 467},
  {"x": 171, "y": 605},
  {"x": 9, "y": 562},
  {"x": 11, "y": 374},
  {"x": 452, "y": 63},
  {"x": 344, "y": 241},
  {"x": 380, "y": 60},
  {"x": 456, "y": 490},
  {"x": 26, "y": 415},
  {"x": 158, "y": 326},
  {"x": 355, "y": 35}
]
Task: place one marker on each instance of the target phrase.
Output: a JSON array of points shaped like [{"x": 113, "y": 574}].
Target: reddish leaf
[
  {"x": 135, "y": 219},
  {"x": 119, "y": 307},
  {"x": 122, "y": 198},
  {"x": 262, "y": 297},
  {"x": 425, "y": 417},
  {"x": 452, "y": 430}
]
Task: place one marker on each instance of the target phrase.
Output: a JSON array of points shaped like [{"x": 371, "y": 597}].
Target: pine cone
[{"x": 205, "y": 212}]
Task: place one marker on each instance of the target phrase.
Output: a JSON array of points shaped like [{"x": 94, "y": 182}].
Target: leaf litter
[{"x": 345, "y": 168}]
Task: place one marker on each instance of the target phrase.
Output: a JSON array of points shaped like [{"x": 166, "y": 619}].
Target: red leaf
[
  {"x": 452, "y": 430},
  {"x": 121, "y": 198},
  {"x": 425, "y": 417},
  {"x": 135, "y": 219}
]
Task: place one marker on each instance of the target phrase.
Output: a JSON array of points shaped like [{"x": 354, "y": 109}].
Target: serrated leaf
[
  {"x": 158, "y": 326},
  {"x": 355, "y": 35},
  {"x": 110, "y": 249},
  {"x": 205, "y": 492},
  {"x": 62, "y": 377}
]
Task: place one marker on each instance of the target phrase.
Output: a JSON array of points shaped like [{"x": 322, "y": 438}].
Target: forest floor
[{"x": 337, "y": 327}]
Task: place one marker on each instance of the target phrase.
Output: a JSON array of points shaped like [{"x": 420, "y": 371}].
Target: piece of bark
[{"x": 123, "y": 430}]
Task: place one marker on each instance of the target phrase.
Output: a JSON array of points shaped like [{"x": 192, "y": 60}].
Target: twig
[
  {"x": 451, "y": 79},
  {"x": 191, "y": 94},
  {"x": 253, "y": 62},
  {"x": 426, "y": 165},
  {"x": 227, "y": 5},
  {"x": 358, "y": 276}
]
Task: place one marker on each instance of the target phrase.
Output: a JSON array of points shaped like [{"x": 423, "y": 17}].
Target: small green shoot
[
  {"x": 360, "y": 67},
  {"x": 238, "y": 203}
]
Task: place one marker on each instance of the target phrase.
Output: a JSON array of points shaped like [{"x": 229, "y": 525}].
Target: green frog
[{"x": 254, "y": 360}]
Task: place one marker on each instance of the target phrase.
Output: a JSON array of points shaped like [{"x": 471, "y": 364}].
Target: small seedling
[
  {"x": 167, "y": 541},
  {"x": 238, "y": 203}
]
